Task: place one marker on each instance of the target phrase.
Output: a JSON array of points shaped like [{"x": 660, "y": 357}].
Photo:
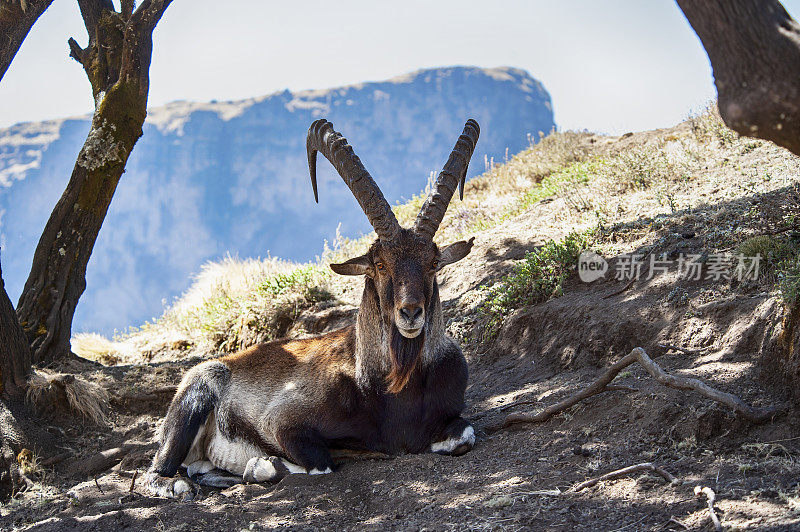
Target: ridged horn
[
  {"x": 452, "y": 175},
  {"x": 324, "y": 139}
]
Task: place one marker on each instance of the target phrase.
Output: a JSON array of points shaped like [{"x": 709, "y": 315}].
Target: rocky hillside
[
  {"x": 210, "y": 179},
  {"x": 534, "y": 335}
]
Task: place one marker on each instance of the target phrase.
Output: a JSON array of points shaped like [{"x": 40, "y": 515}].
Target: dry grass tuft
[
  {"x": 92, "y": 346},
  {"x": 29, "y": 464},
  {"x": 49, "y": 390},
  {"x": 234, "y": 304}
]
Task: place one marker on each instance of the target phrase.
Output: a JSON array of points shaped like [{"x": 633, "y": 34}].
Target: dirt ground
[{"x": 517, "y": 478}]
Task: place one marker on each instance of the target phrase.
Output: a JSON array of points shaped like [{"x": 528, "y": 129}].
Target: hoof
[
  {"x": 181, "y": 489},
  {"x": 456, "y": 445},
  {"x": 270, "y": 469}
]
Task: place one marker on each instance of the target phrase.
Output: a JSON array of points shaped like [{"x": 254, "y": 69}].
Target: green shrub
[
  {"x": 537, "y": 278},
  {"x": 709, "y": 125},
  {"x": 779, "y": 263},
  {"x": 243, "y": 303},
  {"x": 789, "y": 279}
]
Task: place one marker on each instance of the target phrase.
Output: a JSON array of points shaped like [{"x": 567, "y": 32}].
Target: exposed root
[
  {"x": 609, "y": 388},
  {"x": 647, "y": 466},
  {"x": 100, "y": 462},
  {"x": 711, "y": 498},
  {"x": 676, "y": 521},
  {"x": 681, "y": 349},
  {"x": 47, "y": 390},
  {"x": 755, "y": 415},
  {"x": 618, "y": 292}
]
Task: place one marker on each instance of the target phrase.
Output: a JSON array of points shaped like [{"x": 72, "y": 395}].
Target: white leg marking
[
  {"x": 259, "y": 470},
  {"x": 200, "y": 467},
  {"x": 293, "y": 468},
  {"x": 451, "y": 444},
  {"x": 180, "y": 487}
]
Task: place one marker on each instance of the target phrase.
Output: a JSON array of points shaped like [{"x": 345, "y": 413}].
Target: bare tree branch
[
  {"x": 135, "y": 64},
  {"x": 127, "y": 9},
  {"x": 754, "y": 49},
  {"x": 755, "y": 415},
  {"x": 75, "y": 51},
  {"x": 17, "y": 17},
  {"x": 92, "y": 11},
  {"x": 711, "y": 498},
  {"x": 625, "y": 471}
]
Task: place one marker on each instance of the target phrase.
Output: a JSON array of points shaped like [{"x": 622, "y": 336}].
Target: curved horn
[
  {"x": 324, "y": 139},
  {"x": 453, "y": 174}
]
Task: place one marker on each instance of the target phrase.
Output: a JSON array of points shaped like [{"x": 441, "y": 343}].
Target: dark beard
[{"x": 405, "y": 353}]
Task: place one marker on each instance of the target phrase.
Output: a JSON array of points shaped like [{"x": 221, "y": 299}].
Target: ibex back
[{"x": 393, "y": 382}]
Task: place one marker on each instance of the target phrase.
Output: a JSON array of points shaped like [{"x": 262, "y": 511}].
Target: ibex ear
[
  {"x": 455, "y": 252},
  {"x": 357, "y": 266}
]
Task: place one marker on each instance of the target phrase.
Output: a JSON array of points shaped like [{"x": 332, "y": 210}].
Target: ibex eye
[
  {"x": 435, "y": 265},
  {"x": 380, "y": 266}
]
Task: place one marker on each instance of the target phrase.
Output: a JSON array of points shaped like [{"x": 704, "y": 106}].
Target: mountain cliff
[{"x": 217, "y": 178}]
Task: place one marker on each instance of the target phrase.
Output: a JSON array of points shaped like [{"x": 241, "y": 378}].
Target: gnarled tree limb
[
  {"x": 625, "y": 471},
  {"x": 17, "y": 17},
  {"x": 754, "y": 49},
  {"x": 753, "y": 414}
]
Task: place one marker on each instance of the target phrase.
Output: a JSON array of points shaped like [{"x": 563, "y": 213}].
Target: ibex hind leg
[
  {"x": 218, "y": 478},
  {"x": 197, "y": 396},
  {"x": 204, "y": 472}
]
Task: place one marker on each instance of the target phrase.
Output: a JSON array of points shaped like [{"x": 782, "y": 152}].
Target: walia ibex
[{"x": 392, "y": 382}]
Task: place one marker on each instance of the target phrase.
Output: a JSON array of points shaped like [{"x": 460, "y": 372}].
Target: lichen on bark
[{"x": 101, "y": 148}]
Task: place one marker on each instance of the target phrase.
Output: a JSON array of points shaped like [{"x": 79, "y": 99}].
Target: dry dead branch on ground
[
  {"x": 750, "y": 413},
  {"x": 647, "y": 466},
  {"x": 711, "y": 498}
]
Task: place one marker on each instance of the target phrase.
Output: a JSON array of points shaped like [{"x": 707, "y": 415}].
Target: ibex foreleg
[
  {"x": 458, "y": 438},
  {"x": 306, "y": 448}
]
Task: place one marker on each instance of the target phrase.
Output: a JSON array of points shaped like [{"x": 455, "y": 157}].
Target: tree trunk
[
  {"x": 15, "y": 353},
  {"x": 754, "y": 48},
  {"x": 17, "y": 17},
  {"x": 15, "y": 367},
  {"x": 117, "y": 63}
]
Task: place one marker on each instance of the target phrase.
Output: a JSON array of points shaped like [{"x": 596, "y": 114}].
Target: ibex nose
[{"x": 411, "y": 312}]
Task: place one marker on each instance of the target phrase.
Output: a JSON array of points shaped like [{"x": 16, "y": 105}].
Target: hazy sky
[{"x": 610, "y": 66}]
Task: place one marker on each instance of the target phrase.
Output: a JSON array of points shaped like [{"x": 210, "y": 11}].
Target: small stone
[
  {"x": 581, "y": 451},
  {"x": 499, "y": 501}
]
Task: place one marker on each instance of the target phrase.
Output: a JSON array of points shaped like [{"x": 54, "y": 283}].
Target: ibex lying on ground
[{"x": 393, "y": 382}]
